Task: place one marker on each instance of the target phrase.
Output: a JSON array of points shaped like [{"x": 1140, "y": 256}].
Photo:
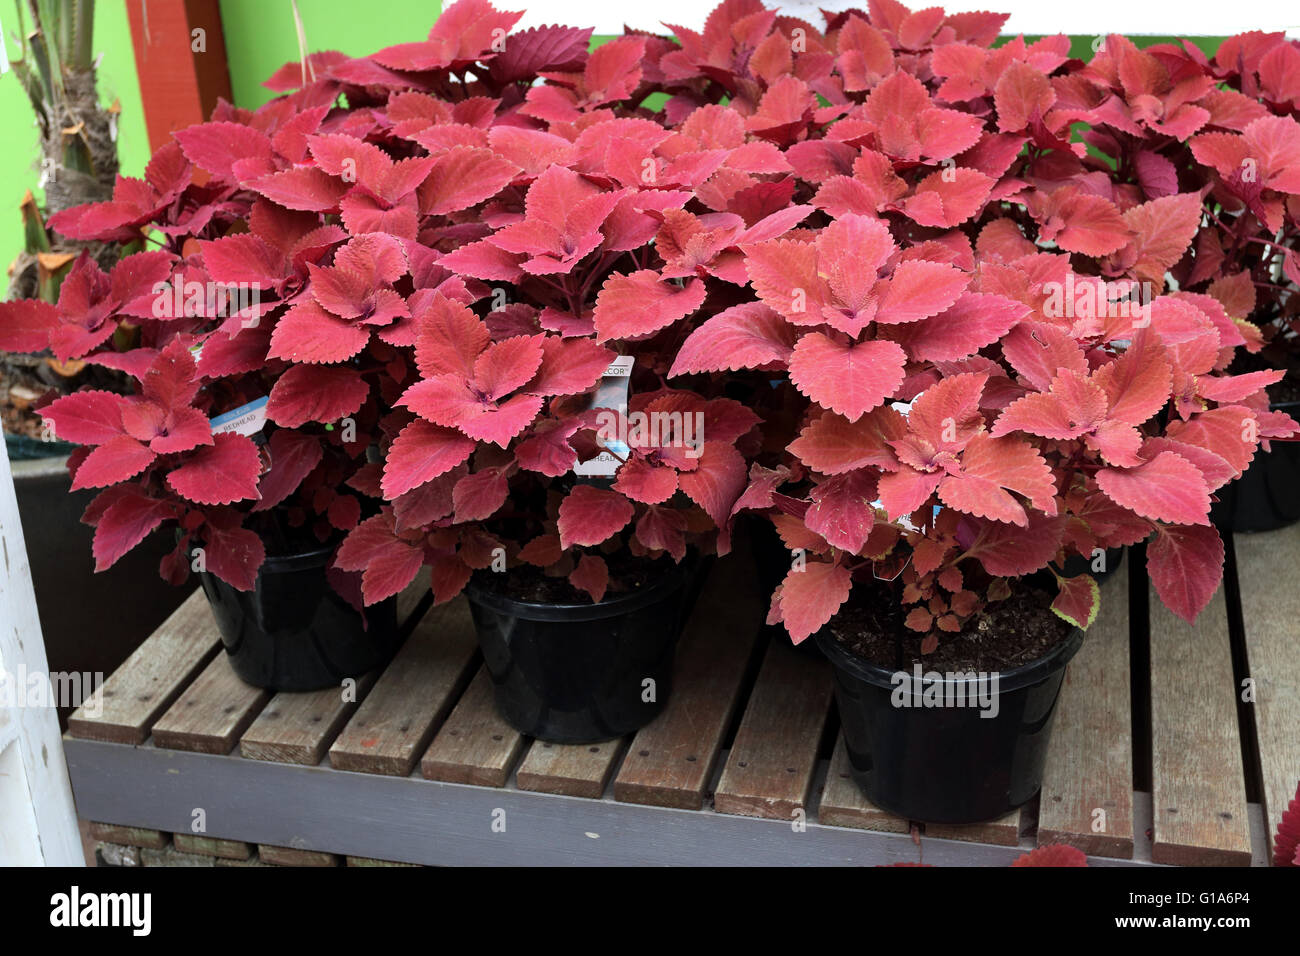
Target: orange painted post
[{"x": 180, "y": 58}]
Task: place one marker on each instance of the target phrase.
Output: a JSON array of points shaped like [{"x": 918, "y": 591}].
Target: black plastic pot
[
  {"x": 576, "y": 673},
  {"x": 1267, "y": 495},
  {"x": 294, "y": 632},
  {"x": 947, "y": 764},
  {"x": 1077, "y": 564}
]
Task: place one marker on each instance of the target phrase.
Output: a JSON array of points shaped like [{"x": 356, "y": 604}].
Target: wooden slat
[
  {"x": 291, "y": 856},
  {"x": 772, "y": 760},
  {"x": 411, "y": 597},
  {"x": 127, "y": 836},
  {"x": 367, "y": 861},
  {"x": 210, "y": 846},
  {"x": 212, "y": 712},
  {"x": 1004, "y": 831},
  {"x": 576, "y": 770},
  {"x": 843, "y": 804},
  {"x": 395, "y": 723},
  {"x": 1198, "y": 783},
  {"x": 1090, "y": 760},
  {"x": 670, "y": 762},
  {"x": 1270, "y": 605},
  {"x": 298, "y": 728},
  {"x": 475, "y": 745},
  {"x": 139, "y": 691}
]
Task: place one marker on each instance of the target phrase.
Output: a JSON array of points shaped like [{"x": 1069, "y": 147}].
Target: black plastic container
[
  {"x": 1077, "y": 564},
  {"x": 1267, "y": 495},
  {"x": 948, "y": 764},
  {"x": 294, "y": 632},
  {"x": 576, "y": 673}
]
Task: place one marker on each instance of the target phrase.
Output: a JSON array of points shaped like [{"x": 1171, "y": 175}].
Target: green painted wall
[
  {"x": 20, "y": 154},
  {"x": 261, "y": 36}
]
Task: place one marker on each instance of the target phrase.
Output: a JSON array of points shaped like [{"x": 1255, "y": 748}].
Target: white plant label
[
  {"x": 610, "y": 393},
  {"x": 247, "y": 419}
]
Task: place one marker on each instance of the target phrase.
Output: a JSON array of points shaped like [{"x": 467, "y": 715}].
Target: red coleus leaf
[
  {"x": 293, "y": 457},
  {"x": 810, "y": 595},
  {"x": 1186, "y": 565},
  {"x": 749, "y": 335},
  {"x": 832, "y": 444},
  {"x": 307, "y": 333},
  {"x": 991, "y": 468},
  {"x": 1286, "y": 844},
  {"x": 1166, "y": 488},
  {"x": 1052, "y": 854},
  {"x": 166, "y": 431},
  {"x": 87, "y": 418},
  {"x": 449, "y": 400},
  {"x": 315, "y": 393},
  {"x": 220, "y": 473},
  {"x": 637, "y": 305},
  {"x": 590, "y": 515},
  {"x": 303, "y": 187},
  {"x": 388, "y": 563},
  {"x": 850, "y": 379},
  {"x": 449, "y": 576},
  {"x": 125, "y": 523},
  {"x": 948, "y": 198},
  {"x": 543, "y": 551},
  {"x": 717, "y": 481},
  {"x": 1078, "y": 600},
  {"x": 1022, "y": 94},
  {"x": 477, "y": 497},
  {"x": 1006, "y": 550},
  {"x": 919, "y": 289},
  {"x": 569, "y": 366},
  {"x": 663, "y": 529},
  {"x": 974, "y": 321},
  {"x": 422, "y": 452},
  {"x": 1081, "y": 222},
  {"x": 507, "y": 365},
  {"x": 233, "y": 554},
  {"x": 115, "y": 460},
  {"x": 26, "y": 324},
  {"x": 1138, "y": 383},
  {"x": 462, "y": 177},
  {"x": 216, "y": 147},
  {"x": 449, "y": 338},
  {"x": 841, "y": 511},
  {"x": 591, "y": 575},
  {"x": 642, "y": 481}
]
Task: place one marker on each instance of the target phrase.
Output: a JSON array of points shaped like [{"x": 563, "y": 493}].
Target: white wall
[{"x": 1085, "y": 18}]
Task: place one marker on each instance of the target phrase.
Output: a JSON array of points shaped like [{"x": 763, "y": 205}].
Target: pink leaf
[
  {"x": 810, "y": 596},
  {"x": 1166, "y": 488},
  {"x": 1186, "y": 565},
  {"x": 220, "y": 473},
  {"x": 848, "y": 379},
  {"x": 590, "y": 515}
]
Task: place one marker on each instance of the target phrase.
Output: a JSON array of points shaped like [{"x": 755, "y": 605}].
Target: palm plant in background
[{"x": 56, "y": 66}]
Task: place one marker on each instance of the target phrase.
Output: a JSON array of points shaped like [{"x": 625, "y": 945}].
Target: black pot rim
[
  {"x": 1009, "y": 680},
  {"x": 625, "y": 603},
  {"x": 298, "y": 560}
]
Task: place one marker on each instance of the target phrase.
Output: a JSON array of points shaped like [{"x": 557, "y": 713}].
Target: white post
[{"x": 38, "y": 822}]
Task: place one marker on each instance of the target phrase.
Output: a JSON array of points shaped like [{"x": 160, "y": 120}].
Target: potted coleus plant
[
  {"x": 539, "y": 462},
  {"x": 985, "y": 402},
  {"x": 256, "y": 429},
  {"x": 1172, "y": 122}
]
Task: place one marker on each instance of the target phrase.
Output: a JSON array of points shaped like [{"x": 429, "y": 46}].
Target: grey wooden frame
[{"x": 414, "y": 820}]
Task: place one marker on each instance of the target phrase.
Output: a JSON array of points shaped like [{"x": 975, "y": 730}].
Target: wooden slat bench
[{"x": 1153, "y": 759}]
